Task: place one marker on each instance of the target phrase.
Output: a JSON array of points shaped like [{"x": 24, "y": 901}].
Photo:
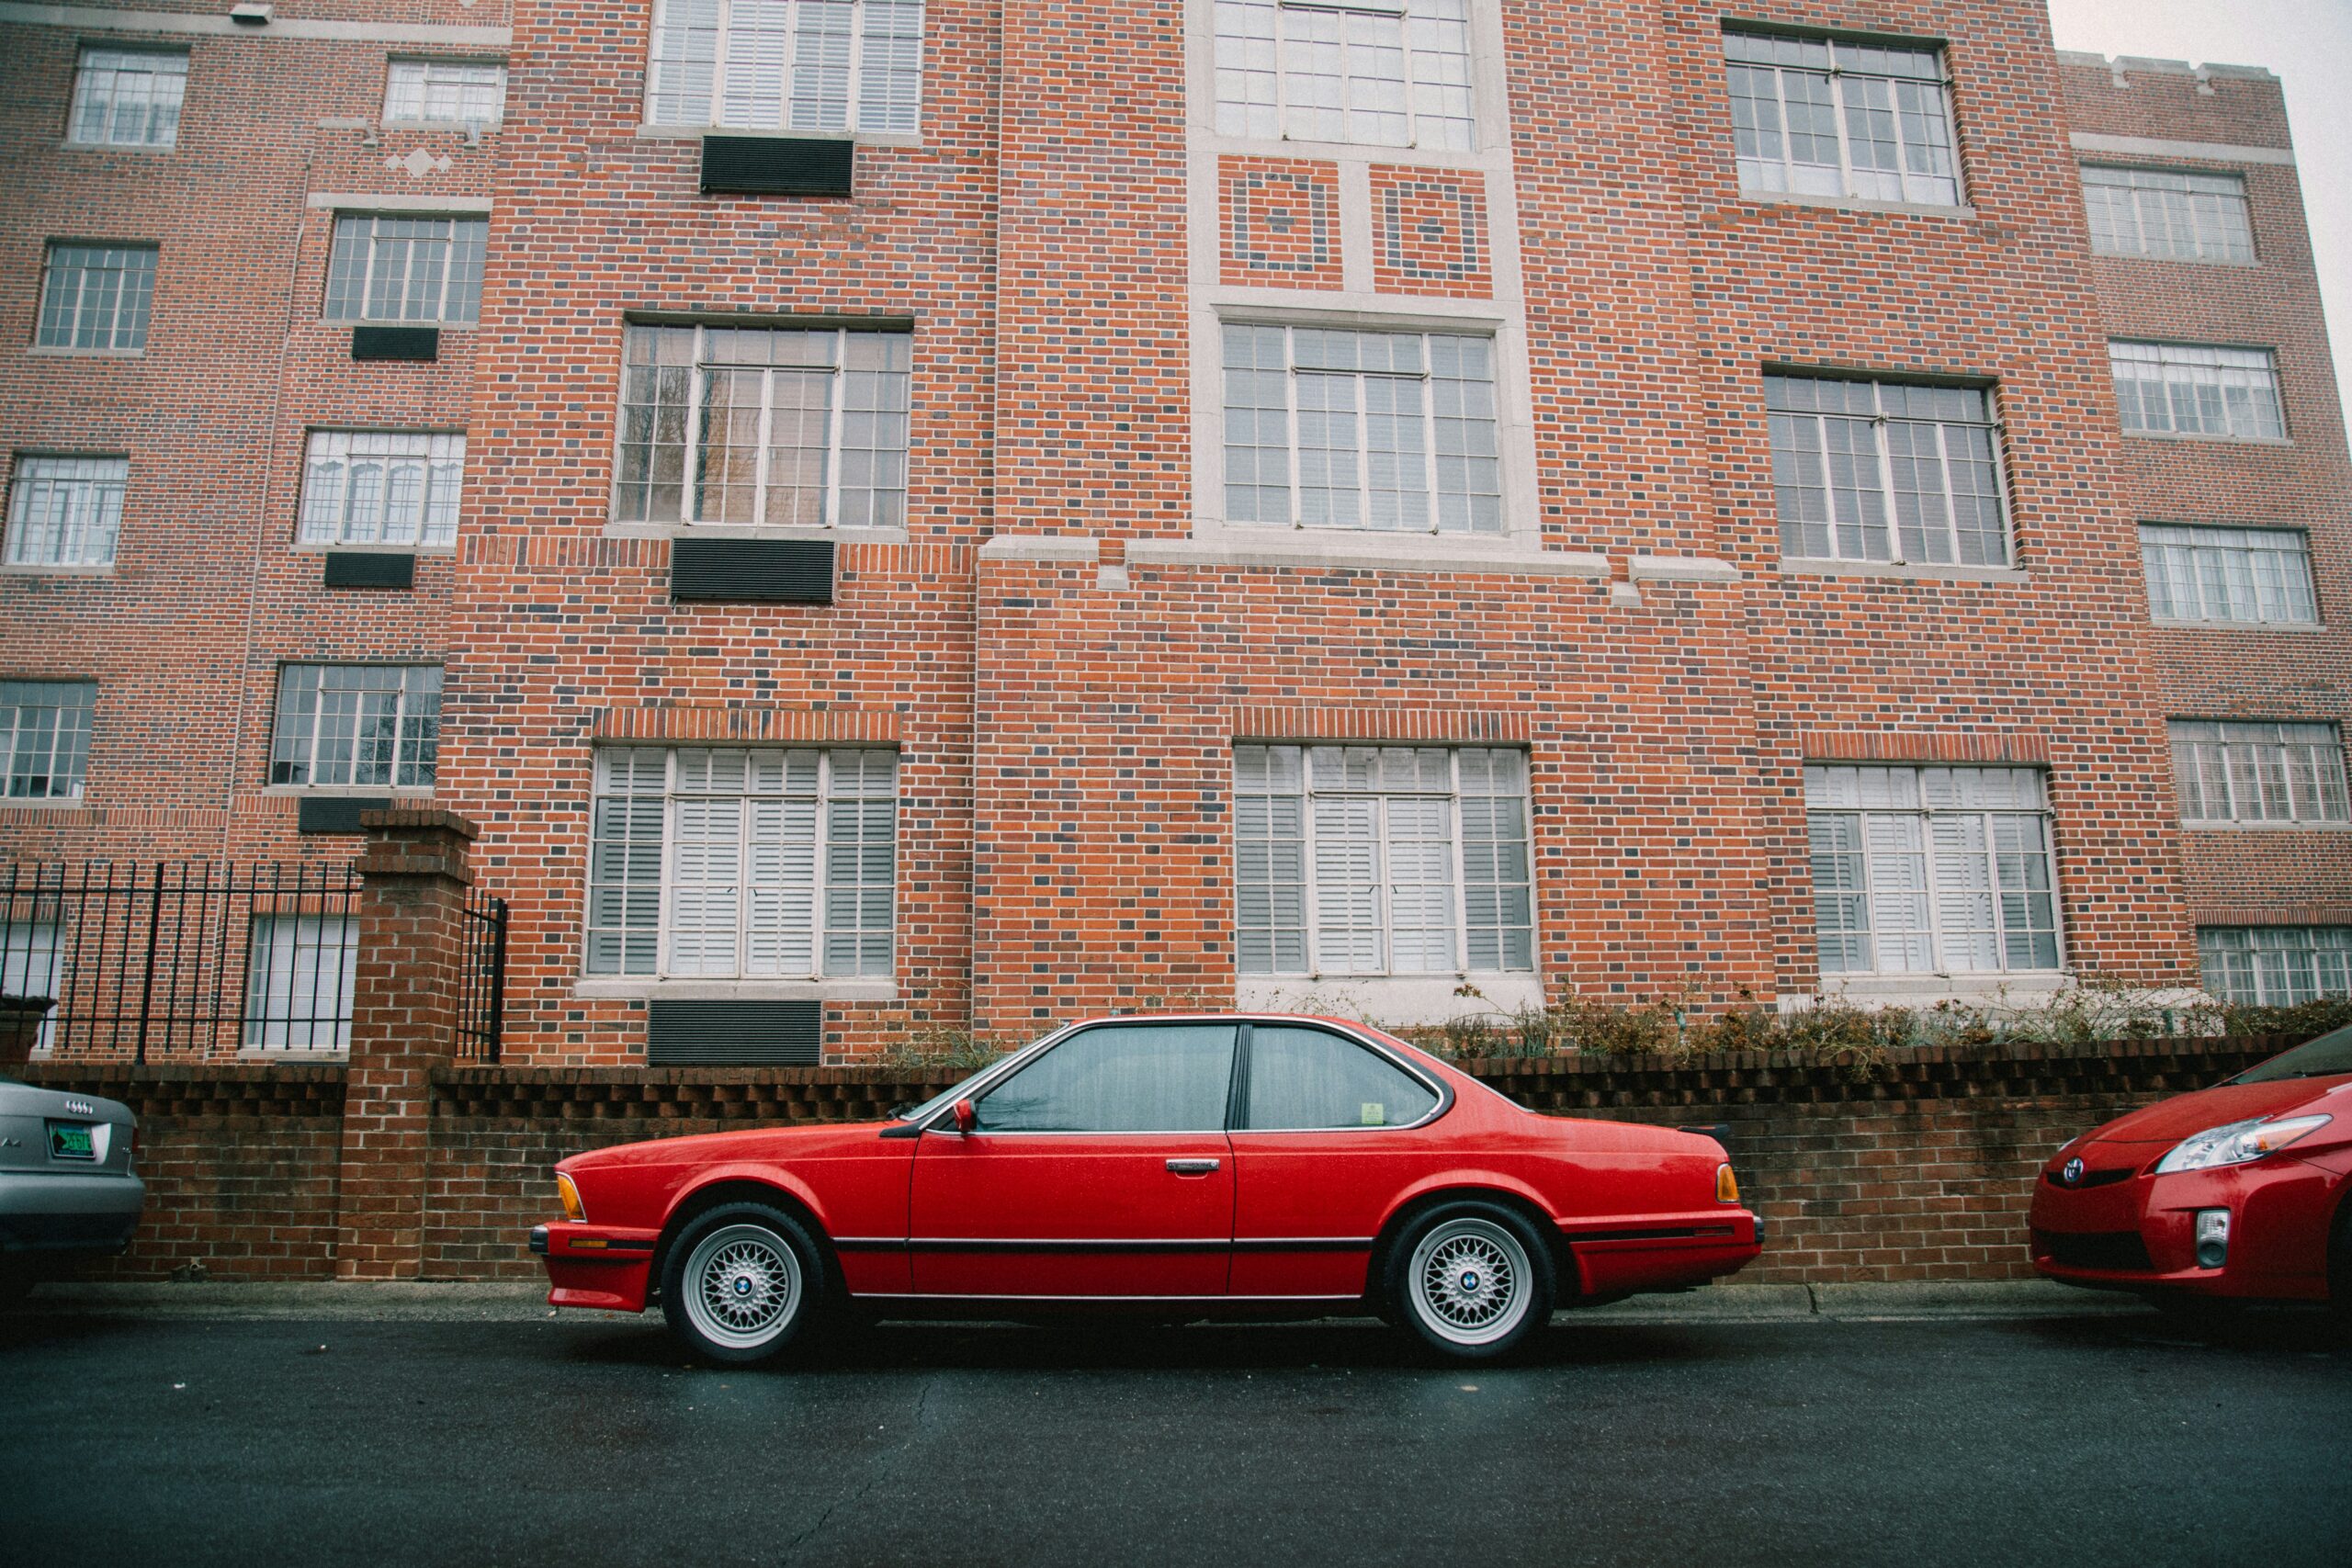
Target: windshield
[
  {"x": 948, "y": 1096},
  {"x": 2328, "y": 1053}
]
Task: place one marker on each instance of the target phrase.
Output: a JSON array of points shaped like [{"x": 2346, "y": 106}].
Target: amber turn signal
[
  {"x": 1726, "y": 1185},
  {"x": 572, "y": 1210}
]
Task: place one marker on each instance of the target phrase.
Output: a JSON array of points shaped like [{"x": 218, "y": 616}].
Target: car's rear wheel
[
  {"x": 1472, "y": 1280},
  {"x": 741, "y": 1282}
]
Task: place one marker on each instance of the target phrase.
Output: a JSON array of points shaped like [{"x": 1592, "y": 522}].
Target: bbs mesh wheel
[
  {"x": 1472, "y": 1280},
  {"x": 741, "y": 1282}
]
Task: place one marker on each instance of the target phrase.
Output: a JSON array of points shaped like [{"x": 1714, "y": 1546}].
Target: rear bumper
[
  {"x": 606, "y": 1268},
  {"x": 1667, "y": 1254},
  {"x": 2140, "y": 1233},
  {"x": 45, "y": 1212}
]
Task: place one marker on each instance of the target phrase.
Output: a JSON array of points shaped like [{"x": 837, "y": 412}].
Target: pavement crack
[{"x": 856, "y": 1498}]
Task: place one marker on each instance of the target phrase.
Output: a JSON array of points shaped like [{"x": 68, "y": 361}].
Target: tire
[
  {"x": 1470, "y": 1281},
  {"x": 742, "y": 1282}
]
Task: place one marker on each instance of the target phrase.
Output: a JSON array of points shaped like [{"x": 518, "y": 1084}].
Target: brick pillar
[{"x": 412, "y": 944}]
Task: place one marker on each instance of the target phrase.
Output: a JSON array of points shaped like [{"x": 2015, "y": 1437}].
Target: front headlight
[
  {"x": 572, "y": 1209},
  {"x": 2239, "y": 1142}
]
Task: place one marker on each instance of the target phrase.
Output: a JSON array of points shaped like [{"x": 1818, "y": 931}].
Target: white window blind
[
  {"x": 2275, "y": 965},
  {"x": 726, "y": 864},
  {"x": 1387, "y": 72},
  {"x": 382, "y": 487},
  {"x": 406, "y": 269},
  {"x": 65, "y": 511},
  {"x": 1368, "y": 861},
  {"x": 444, "y": 92},
  {"x": 787, "y": 64},
  {"x": 32, "y": 963},
  {"x": 96, "y": 298},
  {"x": 2231, "y": 773},
  {"x": 1826, "y": 117},
  {"x": 1881, "y": 470},
  {"x": 125, "y": 97},
  {"x": 356, "y": 725},
  {"x": 2185, "y": 389},
  {"x": 1932, "y": 870},
  {"x": 301, "y": 979},
  {"x": 2177, "y": 215},
  {"x": 45, "y": 737},
  {"x": 2252, "y": 575}
]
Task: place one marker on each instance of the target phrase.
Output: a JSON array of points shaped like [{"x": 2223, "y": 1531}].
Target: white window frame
[
  {"x": 68, "y": 498},
  {"x": 438, "y": 457},
  {"x": 1413, "y": 78},
  {"x": 308, "y": 678},
  {"x": 467, "y": 289},
  {"x": 431, "y": 71},
  {"x": 67, "y": 732},
  {"x": 1836, "y": 74},
  {"x": 2219, "y": 368},
  {"x": 2256, "y": 759},
  {"x": 1994, "y": 433},
  {"x": 2328, "y": 950},
  {"x": 107, "y": 60},
  {"x": 2216, "y": 568},
  {"x": 2172, "y": 189},
  {"x": 128, "y": 315},
  {"x": 1932, "y": 891},
  {"x": 827, "y": 793},
  {"x": 858, "y": 85}
]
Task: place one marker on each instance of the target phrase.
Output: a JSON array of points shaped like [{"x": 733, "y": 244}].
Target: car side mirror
[{"x": 966, "y": 1118}]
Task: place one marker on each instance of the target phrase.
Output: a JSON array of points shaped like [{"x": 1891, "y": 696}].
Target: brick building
[{"x": 908, "y": 513}]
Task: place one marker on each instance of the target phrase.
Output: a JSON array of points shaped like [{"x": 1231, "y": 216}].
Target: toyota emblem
[{"x": 2073, "y": 1172}]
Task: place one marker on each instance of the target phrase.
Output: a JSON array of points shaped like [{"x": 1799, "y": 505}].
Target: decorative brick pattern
[
  {"x": 1429, "y": 233},
  {"x": 1280, "y": 223}
]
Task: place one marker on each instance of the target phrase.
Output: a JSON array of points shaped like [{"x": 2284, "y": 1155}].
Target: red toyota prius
[
  {"x": 1201, "y": 1165},
  {"x": 2241, "y": 1191}
]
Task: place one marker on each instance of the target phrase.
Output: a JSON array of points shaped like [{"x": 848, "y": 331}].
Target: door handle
[{"x": 1192, "y": 1166}]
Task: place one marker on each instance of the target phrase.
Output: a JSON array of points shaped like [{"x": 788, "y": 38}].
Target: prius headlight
[{"x": 2238, "y": 1142}]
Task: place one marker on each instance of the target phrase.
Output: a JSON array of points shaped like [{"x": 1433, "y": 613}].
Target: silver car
[{"x": 66, "y": 1185}]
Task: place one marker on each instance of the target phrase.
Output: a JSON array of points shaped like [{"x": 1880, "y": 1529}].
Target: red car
[
  {"x": 2241, "y": 1191},
  {"x": 1216, "y": 1164}
]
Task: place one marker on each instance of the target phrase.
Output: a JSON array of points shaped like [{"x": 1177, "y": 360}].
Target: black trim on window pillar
[{"x": 775, "y": 166}]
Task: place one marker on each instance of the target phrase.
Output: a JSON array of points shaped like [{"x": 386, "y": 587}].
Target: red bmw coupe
[
  {"x": 1199, "y": 1165},
  {"x": 2241, "y": 1191}
]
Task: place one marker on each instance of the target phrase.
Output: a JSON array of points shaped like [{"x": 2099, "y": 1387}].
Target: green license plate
[{"x": 69, "y": 1141}]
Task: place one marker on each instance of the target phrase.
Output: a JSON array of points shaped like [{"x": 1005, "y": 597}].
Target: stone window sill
[
  {"x": 1856, "y": 204},
  {"x": 639, "y": 987},
  {"x": 1811, "y": 566}
]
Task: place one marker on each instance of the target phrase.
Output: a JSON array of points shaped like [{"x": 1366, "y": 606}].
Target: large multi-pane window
[
  {"x": 2229, "y": 574},
  {"x": 45, "y": 737},
  {"x": 1932, "y": 870},
  {"x": 65, "y": 511},
  {"x": 1393, "y": 432},
  {"x": 444, "y": 92},
  {"x": 386, "y": 268},
  {"x": 2275, "y": 965},
  {"x": 381, "y": 487},
  {"x": 128, "y": 97},
  {"x": 1826, "y": 117},
  {"x": 790, "y": 427},
  {"x": 364, "y": 725},
  {"x": 1389, "y": 72},
  {"x": 1381, "y": 860},
  {"x": 95, "y": 299},
  {"x": 787, "y": 64},
  {"x": 2187, "y": 389},
  {"x": 719, "y": 863},
  {"x": 1883, "y": 472},
  {"x": 2233, "y": 774},
  {"x": 2177, "y": 215}
]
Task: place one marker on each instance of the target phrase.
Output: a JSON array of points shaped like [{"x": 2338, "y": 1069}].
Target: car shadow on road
[{"x": 2264, "y": 1330}]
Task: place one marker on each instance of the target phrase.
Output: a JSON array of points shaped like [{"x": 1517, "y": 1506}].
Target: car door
[
  {"x": 1099, "y": 1169},
  {"x": 1325, "y": 1143}
]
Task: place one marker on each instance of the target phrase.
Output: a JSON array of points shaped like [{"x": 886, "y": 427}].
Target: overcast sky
[{"x": 2308, "y": 45}]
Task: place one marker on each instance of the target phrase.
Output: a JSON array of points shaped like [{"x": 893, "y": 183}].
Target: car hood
[
  {"x": 2188, "y": 1114},
  {"x": 779, "y": 1141}
]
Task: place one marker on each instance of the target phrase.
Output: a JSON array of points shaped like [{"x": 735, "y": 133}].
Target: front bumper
[
  {"x": 46, "y": 1212},
  {"x": 607, "y": 1267},
  {"x": 2138, "y": 1233}
]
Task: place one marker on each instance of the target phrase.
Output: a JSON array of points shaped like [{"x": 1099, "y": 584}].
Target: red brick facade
[{"x": 1067, "y": 637}]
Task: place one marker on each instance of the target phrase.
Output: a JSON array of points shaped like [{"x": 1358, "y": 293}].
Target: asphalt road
[{"x": 2074, "y": 1442}]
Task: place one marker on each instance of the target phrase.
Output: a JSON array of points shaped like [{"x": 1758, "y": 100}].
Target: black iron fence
[{"x": 194, "y": 961}]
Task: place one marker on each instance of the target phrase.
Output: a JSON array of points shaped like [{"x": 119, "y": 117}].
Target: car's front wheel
[
  {"x": 742, "y": 1281},
  {"x": 1472, "y": 1280}
]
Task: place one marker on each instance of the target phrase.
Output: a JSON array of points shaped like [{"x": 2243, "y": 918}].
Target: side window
[
  {"x": 1120, "y": 1078},
  {"x": 1304, "y": 1078}
]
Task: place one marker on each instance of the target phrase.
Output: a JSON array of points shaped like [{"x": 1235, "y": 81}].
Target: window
[
  {"x": 1393, "y": 432},
  {"x": 1826, "y": 117},
  {"x": 444, "y": 92},
  {"x": 787, "y": 427},
  {"x": 94, "y": 299},
  {"x": 125, "y": 97},
  {"x": 65, "y": 511},
  {"x": 32, "y": 963},
  {"x": 2229, "y": 574},
  {"x": 1120, "y": 1078},
  {"x": 2231, "y": 773},
  {"x": 301, "y": 973},
  {"x": 2180, "y": 217},
  {"x": 787, "y": 64},
  {"x": 1392, "y": 73},
  {"x": 406, "y": 269},
  {"x": 45, "y": 726},
  {"x": 2275, "y": 965},
  {"x": 2178, "y": 390},
  {"x": 1308, "y": 1079},
  {"x": 381, "y": 487},
  {"x": 1882, "y": 471},
  {"x": 1368, "y": 860},
  {"x": 1931, "y": 870},
  {"x": 742, "y": 865},
  {"x": 356, "y": 726}
]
